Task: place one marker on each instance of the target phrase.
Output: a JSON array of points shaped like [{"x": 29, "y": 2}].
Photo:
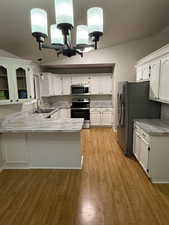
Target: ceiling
[{"x": 124, "y": 20}]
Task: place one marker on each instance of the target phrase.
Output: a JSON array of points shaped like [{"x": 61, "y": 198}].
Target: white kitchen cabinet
[
  {"x": 101, "y": 116},
  {"x": 146, "y": 72},
  {"x": 139, "y": 71},
  {"x": 7, "y": 89},
  {"x": 50, "y": 85},
  {"x": 105, "y": 84},
  {"x": 154, "y": 79},
  {"x": 143, "y": 72},
  {"x": 16, "y": 81},
  {"x": 66, "y": 84},
  {"x": 94, "y": 84},
  {"x": 24, "y": 82},
  {"x": 107, "y": 117},
  {"x": 152, "y": 153},
  {"x": 57, "y": 84},
  {"x": 141, "y": 148},
  {"x": 164, "y": 79},
  {"x": 80, "y": 79},
  {"x": 45, "y": 85},
  {"x": 158, "y": 63},
  {"x": 101, "y": 84},
  {"x": 95, "y": 117}
]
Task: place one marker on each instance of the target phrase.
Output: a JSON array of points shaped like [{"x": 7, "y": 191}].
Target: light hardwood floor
[{"x": 110, "y": 190}]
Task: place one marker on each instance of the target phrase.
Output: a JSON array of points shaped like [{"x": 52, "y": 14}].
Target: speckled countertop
[
  {"x": 154, "y": 127},
  {"x": 32, "y": 122}
]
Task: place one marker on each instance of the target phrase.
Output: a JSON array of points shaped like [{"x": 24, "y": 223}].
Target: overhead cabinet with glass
[
  {"x": 157, "y": 71},
  {"x": 16, "y": 81}
]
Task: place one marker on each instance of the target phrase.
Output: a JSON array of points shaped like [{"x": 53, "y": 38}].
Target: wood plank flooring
[{"x": 110, "y": 190}]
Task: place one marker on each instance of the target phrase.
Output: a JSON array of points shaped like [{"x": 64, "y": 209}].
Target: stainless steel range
[{"x": 80, "y": 108}]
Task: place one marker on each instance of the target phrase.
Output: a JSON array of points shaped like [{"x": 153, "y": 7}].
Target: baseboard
[
  {"x": 160, "y": 182},
  {"x": 24, "y": 166},
  {"x": 6, "y": 167}
]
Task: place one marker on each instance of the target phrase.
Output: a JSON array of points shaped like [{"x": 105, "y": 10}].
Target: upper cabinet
[
  {"x": 83, "y": 79},
  {"x": 66, "y": 85},
  {"x": 154, "y": 79},
  {"x": 164, "y": 80},
  {"x": 101, "y": 84},
  {"x": 155, "y": 68},
  {"x": 54, "y": 84},
  {"x": 4, "y": 84},
  {"x": 143, "y": 72},
  {"x": 16, "y": 81}
]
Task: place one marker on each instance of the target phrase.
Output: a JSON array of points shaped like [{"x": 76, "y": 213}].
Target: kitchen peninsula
[{"x": 34, "y": 140}]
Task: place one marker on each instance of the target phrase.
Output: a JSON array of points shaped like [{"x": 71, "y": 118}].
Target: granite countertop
[
  {"x": 37, "y": 122},
  {"x": 154, "y": 127}
]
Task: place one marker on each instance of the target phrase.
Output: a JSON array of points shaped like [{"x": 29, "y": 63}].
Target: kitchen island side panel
[{"x": 58, "y": 150}]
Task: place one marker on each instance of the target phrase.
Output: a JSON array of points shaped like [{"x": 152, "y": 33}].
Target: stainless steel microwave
[{"x": 79, "y": 89}]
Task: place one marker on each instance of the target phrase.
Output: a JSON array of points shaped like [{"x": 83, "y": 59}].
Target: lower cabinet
[
  {"x": 101, "y": 116},
  {"x": 152, "y": 154},
  {"x": 141, "y": 148}
]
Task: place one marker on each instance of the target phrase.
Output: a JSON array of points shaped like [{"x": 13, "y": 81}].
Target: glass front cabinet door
[
  {"x": 6, "y": 87},
  {"x": 24, "y": 83}
]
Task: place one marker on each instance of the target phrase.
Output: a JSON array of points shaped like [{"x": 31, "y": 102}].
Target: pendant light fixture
[{"x": 87, "y": 36}]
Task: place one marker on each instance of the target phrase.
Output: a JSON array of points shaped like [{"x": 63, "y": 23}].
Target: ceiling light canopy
[{"x": 61, "y": 31}]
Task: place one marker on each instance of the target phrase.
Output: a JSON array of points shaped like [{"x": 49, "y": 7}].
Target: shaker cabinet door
[
  {"x": 7, "y": 90},
  {"x": 146, "y": 72},
  {"x": 106, "y": 117},
  {"x": 154, "y": 79},
  {"x": 66, "y": 85},
  {"x": 136, "y": 147},
  {"x": 144, "y": 152},
  {"x": 164, "y": 80},
  {"x": 139, "y": 75}
]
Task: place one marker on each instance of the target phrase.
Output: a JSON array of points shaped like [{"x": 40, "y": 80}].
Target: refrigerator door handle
[
  {"x": 122, "y": 115},
  {"x": 119, "y": 109}
]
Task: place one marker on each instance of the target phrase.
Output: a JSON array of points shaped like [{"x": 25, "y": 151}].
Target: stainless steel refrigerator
[{"x": 133, "y": 103}]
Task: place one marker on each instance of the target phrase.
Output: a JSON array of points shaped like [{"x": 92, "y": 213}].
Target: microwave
[{"x": 79, "y": 89}]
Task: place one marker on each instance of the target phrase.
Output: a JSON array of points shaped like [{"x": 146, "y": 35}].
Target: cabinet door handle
[{"x": 11, "y": 100}]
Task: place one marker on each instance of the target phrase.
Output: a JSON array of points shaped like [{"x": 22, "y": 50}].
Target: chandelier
[{"x": 87, "y": 36}]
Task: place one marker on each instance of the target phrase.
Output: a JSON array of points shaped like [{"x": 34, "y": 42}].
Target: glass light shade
[
  {"x": 82, "y": 35},
  {"x": 39, "y": 21},
  {"x": 64, "y": 11},
  {"x": 95, "y": 19},
  {"x": 56, "y": 35}
]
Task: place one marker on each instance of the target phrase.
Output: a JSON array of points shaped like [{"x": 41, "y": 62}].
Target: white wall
[{"x": 4, "y": 53}]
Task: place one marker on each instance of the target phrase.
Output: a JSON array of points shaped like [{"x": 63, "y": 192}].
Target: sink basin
[{"x": 43, "y": 111}]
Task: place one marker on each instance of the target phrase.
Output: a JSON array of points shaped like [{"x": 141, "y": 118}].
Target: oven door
[{"x": 80, "y": 113}]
